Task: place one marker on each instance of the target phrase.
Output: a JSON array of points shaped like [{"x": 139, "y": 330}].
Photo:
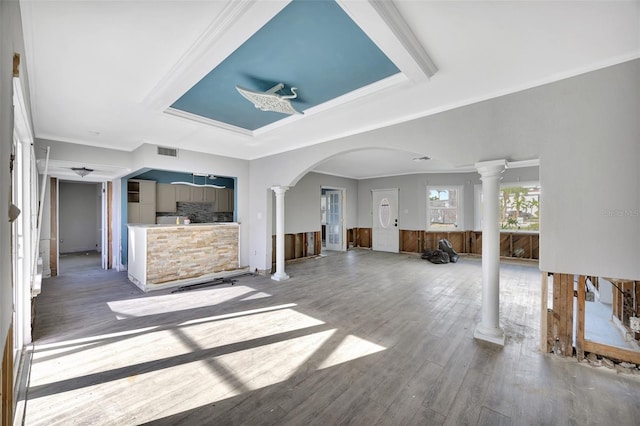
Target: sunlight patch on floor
[
  {"x": 153, "y": 305},
  {"x": 269, "y": 364},
  {"x": 101, "y": 356},
  {"x": 74, "y": 361},
  {"x": 249, "y": 327},
  {"x": 350, "y": 348},
  {"x": 124, "y": 399},
  {"x": 239, "y": 314},
  {"x": 231, "y": 359}
]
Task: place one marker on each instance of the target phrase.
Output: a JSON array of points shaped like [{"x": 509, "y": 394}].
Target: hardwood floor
[{"x": 360, "y": 337}]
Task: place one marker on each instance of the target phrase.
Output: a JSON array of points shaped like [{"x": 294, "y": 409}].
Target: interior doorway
[
  {"x": 80, "y": 226},
  {"x": 332, "y": 213}
]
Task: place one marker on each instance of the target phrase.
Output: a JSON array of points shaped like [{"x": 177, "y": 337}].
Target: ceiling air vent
[{"x": 169, "y": 152}]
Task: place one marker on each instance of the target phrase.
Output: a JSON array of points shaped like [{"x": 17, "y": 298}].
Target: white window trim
[
  {"x": 460, "y": 208},
  {"x": 477, "y": 200}
]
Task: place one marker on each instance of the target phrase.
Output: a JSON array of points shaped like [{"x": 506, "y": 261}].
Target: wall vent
[{"x": 169, "y": 152}]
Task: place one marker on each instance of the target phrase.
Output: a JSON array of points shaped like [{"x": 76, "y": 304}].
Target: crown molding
[
  {"x": 208, "y": 121},
  {"x": 240, "y": 19},
  {"x": 523, "y": 163},
  {"x": 390, "y": 14},
  {"x": 385, "y": 26},
  {"x": 237, "y": 22}
]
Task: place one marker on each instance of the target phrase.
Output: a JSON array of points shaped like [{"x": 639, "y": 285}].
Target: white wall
[
  {"x": 83, "y": 153},
  {"x": 585, "y": 131},
  {"x": 590, "y": 174},
  {"x": 79, "y": 217},
  {"x": 302, "y": 202},
  {"x": 11, "y": 40}
]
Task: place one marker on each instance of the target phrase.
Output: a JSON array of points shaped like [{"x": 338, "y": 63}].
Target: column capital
[
  {"x": 491, "y": 168},
  {"x": 279, "y": 189}
]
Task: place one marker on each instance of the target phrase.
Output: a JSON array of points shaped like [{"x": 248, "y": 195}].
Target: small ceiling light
[
  {"x": 82, "y": 171},
  {"x": 270, "y": 100},
  {"x": 418, "y": 159}
]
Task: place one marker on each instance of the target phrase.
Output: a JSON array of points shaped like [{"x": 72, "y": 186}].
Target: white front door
[
  {"x": 334, "y": 220},
  {"x": 385, "y": 233}
]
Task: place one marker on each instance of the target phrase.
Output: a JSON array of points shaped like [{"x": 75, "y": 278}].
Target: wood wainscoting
[
  {"x": 512, "y": 244},
  {"x": 556, "y": 322},
  {"x": 362, "y": 237},
  {"x": 6, "y": 380},
  {"x": 297, "y": 246}
]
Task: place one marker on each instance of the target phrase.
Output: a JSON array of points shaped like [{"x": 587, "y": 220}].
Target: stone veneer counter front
[{"x": 162, "y": 256}]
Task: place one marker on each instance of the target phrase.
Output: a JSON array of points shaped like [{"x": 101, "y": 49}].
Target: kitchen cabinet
[
  {"x": 166, "y": 198},
  {"x": 197, "y": 194},
  {"x": 224, "y": 200},
  {"x": 210, "y": 195},
  {"x": 183, "y": 193},
  {"x": 141, "y": 201},
  {"x": 231, "y": 200}
]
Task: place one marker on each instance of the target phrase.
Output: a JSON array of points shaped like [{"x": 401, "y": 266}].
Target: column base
[
  {"x": 489, "y": 334},
  {"x": 280, "y": 276}
]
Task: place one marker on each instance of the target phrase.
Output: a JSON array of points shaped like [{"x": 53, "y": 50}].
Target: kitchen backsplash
[{"x": 200, "y": 213}]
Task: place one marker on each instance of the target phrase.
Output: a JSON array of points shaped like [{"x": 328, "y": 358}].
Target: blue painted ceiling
[{"x": 311, "y": 44}]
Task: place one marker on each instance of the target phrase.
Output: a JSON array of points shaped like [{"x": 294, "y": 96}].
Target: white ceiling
[
  {"x": 372, "y": 163},
  {"x": 102, "y": 73}
]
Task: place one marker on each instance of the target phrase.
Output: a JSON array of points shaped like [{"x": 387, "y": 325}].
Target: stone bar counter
[{"x": 161, "y": 256}]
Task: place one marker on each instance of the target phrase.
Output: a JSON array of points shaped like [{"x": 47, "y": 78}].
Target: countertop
[{"x": 150, "y": 225}]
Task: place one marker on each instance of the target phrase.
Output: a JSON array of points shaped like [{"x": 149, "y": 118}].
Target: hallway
[{"x": 360, "y": 337}]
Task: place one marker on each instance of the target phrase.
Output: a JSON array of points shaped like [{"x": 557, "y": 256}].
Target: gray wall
[
  {"x": 412, "y": 202},
  {"x": 302, "y": 202},
  {"x": 79, "y": 217},
  {"x": 412, "y": 197}
]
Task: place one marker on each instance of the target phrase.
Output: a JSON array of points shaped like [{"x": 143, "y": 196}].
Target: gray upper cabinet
[
  {"x": 166, "y": 198},
  {"x": 183, "y": 193},
  {"x": 224, "y": 200},
  {"x": 232, "y": 200},
  {"x": 141, "y": 197},
  {"x": 210, "y": 195},
  {"x": 169, "y": 195},
  {"x": 197, "y": 194}
]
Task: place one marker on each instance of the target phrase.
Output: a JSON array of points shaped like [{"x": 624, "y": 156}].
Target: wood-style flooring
[{"x": 361, "y": 337}]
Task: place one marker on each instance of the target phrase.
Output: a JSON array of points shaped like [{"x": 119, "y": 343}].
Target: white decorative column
[
  {"x": 280, "y": 275},
  {"x": 489, "y": 327}
]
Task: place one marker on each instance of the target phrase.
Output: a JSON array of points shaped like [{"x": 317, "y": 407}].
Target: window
[
  {"x": 519, "y": 207},
  {"x": 444, "y": 207}
]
